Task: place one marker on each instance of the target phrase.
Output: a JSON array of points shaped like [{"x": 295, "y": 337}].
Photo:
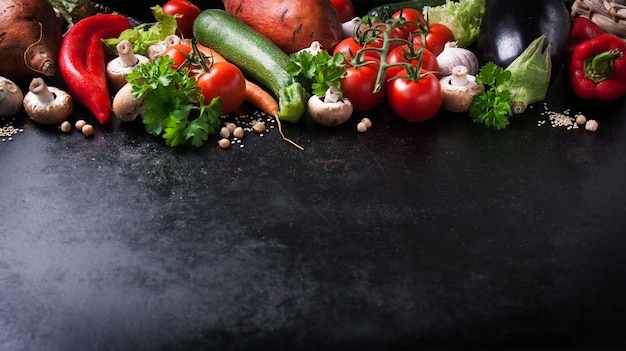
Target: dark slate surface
[{"x": 441, "y": 235}]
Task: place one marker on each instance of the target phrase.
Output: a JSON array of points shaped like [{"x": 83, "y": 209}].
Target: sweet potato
[
  {"x": 30, "y": 37},
  {"x": 291, "y": 24}
]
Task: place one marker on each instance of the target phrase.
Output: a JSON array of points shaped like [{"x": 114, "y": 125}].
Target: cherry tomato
[
  {"x": 178, "y": 53},
  {"x": 345, "y": 8},
  {"x": 412, "y": 15},
  {"x": 397, "y": 55},
  {"x": 189, "y": 12},
  {"x": 225, "y": 80},
  {"x": 358, "y": 86},
  {"x": 436, "y": 38},
  {"x": 415, "y": 100},
  {"x": 348, "y": 47}
]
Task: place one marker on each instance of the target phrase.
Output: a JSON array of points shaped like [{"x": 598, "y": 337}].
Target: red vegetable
[
  {"x": 598, "y": 68},
  {"x": 415, "y": 97},
  {"x": 82, "y": 61},
  {"x": 583, "y": 29},
  {"x": 188, "y": 12}
]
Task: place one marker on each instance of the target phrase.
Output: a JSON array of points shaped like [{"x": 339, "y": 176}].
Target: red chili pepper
[
  {"x": 82, "y": 61},
  {"x": 598, "y": 68},
  {"x": 583, "y": 29}
]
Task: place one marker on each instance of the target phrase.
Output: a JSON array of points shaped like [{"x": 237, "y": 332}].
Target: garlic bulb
[
  {"x": 11, "y": 98},
  {"x": 453, "y": 56}
]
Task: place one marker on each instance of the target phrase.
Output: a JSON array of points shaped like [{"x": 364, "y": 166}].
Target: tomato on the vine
[
  {"x": 415, "y": 100},
  {"x": 358, "y": 86},
  {"x": 344, "y": 8},
  {"x": 178, "y": 53},
  {"x": 417, "y": 21},
  {"x": 426, "y": 57},
  {"x": 436, "y": 38},
  {"x": 225, "y": 80},
  {"x": 189, "y": 12}
]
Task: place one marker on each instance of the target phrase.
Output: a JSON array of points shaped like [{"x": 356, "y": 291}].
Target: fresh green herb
[
  {"x": 493, "y": 107},
  {"x": 146, "y": 34},
  {"x": 174, "y": 107},
  {"x": 320, "y": 70}
]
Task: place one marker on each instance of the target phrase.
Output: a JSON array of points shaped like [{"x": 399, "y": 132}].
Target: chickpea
[
  {"x": 581, "y": 119},
  {"x": 591, "y": 125},
  {"x": 238, "y": 132},
  {"x": 367, "y": 122},
  {"x": 361, "y": 127},
  {"x": 87, "y": 130},
  {"x": 80, "y": 124},
  {"x": 259, "y": 127},
  {"x": 225, "y": 132},
  {"x": 223, "y": 143},
  {"x": 66, "y": 127},
  {"x": 231, "y": 126}
]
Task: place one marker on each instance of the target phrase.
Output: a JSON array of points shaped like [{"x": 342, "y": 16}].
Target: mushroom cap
[
  {"x": 329, "y": 113},
  {"x": 53, "y": 112}
]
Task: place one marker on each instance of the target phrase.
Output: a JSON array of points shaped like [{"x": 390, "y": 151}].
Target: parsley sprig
[
  {"x": 493, "y": 107},
  {"x": 320, "y": 70},
  {"x": 174, "y": 107}
]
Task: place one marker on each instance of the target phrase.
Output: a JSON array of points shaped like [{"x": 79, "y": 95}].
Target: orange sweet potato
[
  {"x": 291, "y": 24},
  {"x": 30, "y": 37}
]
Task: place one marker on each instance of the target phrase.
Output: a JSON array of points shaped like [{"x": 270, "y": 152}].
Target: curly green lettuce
[{"x": 463, "y": 17}]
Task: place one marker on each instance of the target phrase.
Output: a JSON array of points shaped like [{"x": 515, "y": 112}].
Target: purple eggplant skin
[{"x": 509, "y": 26}]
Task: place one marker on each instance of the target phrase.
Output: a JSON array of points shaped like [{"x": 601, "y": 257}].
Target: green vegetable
[
  {"x": 493, "y": 107},
  {"x": 174, "y": 107},
  {"x": 509, "y": 91},
  {"x": 384, "y": 12},
  {"x": 146, "y": 34},
  {"x": 531, "y": 73},
  {"x": 463, "y": 17},
  {"x": 320, "y": 70},
  {"x": 73, "y": 11},
  {"x": 256, "y": 55}
]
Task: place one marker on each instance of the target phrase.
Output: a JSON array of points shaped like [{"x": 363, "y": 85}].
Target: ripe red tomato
[
  {"x": 348, "y": 47},
  {"x": 436, "y": 38},
  {"x": 409, "y": 14},
  {"x": 178, "y": 53},
  {"x": 225, "y": 80},
  {"x": 415, "y": 100},
  {"x": 189, "y": 12},
  {"x": 345, "y": 8},
  {"x": 358, "y": 86},
  {"x": 399, "y": 54}
]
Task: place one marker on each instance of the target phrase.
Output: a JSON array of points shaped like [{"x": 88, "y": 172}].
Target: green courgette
[
  {"x": 384, "y": 12},
  {"x": 256, "y": 55}
]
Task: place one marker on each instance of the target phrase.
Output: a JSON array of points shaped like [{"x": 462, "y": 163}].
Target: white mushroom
[
  {"x": 10, "y": 97},
  {"x": 126, "y": 107},
  {"x": 156, "y": 50},
  {"x": 459, "y": 89},
  {"x": 121, "y": 66},
  {"x": 47, "y": 105},
  {"x": 331, "y": 111}
]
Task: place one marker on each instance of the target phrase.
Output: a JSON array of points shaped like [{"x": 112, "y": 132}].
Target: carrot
[{"x": 255, "y": 94}]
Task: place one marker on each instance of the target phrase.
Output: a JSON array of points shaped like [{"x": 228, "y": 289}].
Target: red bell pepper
[
  {"x": 598, "y": 68},
  {"x": 583, "y": 29},
  {"x": 82, "y": 61}
]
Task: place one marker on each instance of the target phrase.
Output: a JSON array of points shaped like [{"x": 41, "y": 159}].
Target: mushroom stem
[
  {"x": 459, "y": 76},
  {"x": 125, "y": 52},
  {"x": 41, "y": 91}
]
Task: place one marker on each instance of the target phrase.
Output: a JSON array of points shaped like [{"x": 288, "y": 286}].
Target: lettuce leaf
[
  {"x": 463, "y": 17},
  {"x": 146, "y": 34}
]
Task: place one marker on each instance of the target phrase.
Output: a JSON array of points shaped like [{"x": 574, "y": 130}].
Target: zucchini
[
  {"x": 256, "y": 56},
  {"x": 384, "y": 12}
]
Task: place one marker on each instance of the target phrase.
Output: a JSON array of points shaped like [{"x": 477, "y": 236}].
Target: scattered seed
[
  {"x": 223, "y": 143},
  {"x": 80, "y": 124},
  {"x": 361, "y": 127},
  {"x": 87, "y": 130},
  {"x": 238, "y": 132},
  {"x": 591, "y": 125},
  {"x": 367, "y": 122},
  {"x": 66, "y": 127}
]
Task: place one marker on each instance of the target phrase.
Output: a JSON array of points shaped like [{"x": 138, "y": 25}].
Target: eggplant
[{"x": 508, "y": 27}]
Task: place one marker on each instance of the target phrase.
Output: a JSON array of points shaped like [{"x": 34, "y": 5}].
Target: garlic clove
[
  {"x": 11, "y": 98},
  {"x": 453, "y": 56}
]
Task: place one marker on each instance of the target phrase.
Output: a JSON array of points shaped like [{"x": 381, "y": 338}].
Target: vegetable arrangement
[{"x": 184, "y": 72}]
